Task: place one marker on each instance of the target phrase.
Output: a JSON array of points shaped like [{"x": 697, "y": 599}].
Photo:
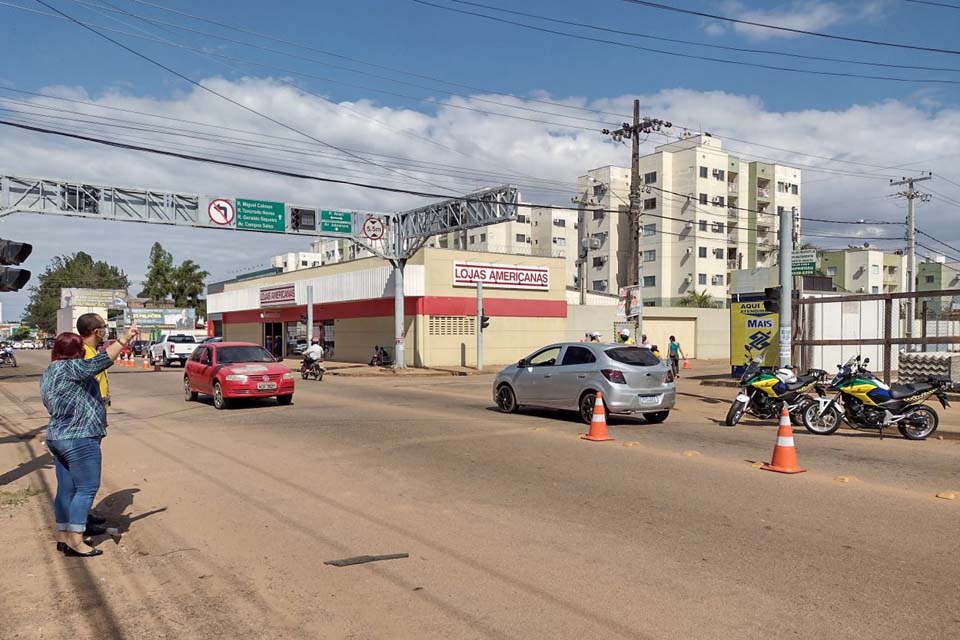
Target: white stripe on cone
[{"x": 784, "y": 442}]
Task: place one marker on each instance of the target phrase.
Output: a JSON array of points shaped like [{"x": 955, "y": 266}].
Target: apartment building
[
  {"x": 704, "y": 213},
  {"x": 936, "y": 275},
  {"x": 864, "y": 270},
  {"x": 322, "y": 251}
]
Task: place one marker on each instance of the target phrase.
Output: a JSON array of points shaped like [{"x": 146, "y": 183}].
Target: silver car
[{"x": 569, "y": 374}]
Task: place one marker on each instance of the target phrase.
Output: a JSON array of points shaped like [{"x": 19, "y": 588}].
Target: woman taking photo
[{"x": 78, "y": 418}]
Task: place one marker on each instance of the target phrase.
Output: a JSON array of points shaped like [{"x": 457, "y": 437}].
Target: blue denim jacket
[{"x": 72, "y": 397}]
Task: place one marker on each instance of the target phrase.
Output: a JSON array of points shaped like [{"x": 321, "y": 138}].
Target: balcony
[
  {"x": 732, "y": 264},
  {"x": 763, "y": 194},
  {"x": 733, "y": 213},
  {"x": 733, "y": 187}
]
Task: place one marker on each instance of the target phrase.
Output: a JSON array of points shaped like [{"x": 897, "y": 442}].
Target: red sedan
[{"x": 229, "y": 370}]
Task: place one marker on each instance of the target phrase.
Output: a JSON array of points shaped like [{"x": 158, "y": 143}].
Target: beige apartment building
[
  {"x": 705, "y": 212},
  {"x": 865, "y": 270}
]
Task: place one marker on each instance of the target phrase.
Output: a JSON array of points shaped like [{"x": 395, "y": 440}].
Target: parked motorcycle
[
  {"x": 312, "y": 369},
  {"x": 765, "y": 391},
  {"x": 7, "y": 359},
  {"x": 865, "y": 402}
]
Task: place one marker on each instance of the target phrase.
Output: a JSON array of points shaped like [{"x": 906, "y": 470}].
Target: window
[
  {"x": 473, "y": 240},
  {"x": 195, "y": 356},
  {"x": 718, "y": 201},
  {"x": 717, "y": 280},
  {"x": 703, "y": 198},
  {"x": 598, "y": 214},
  {"x": 703, "y": 225},
  {"x": 205, "y": 358},
  {"x": 874, "y": 289},
  {"x": 599, "y": 285},
  {"x": 650, "y": 178},
  {"x": 578, "y": 355},
  {"x": 598, "y": 189},
  {"x": 831, "y": 271},
  {"x": 649, "y": 255},
  {"x": 483, "y": 237},
  {"x": 794, "y": 189},
  {"x": 521, "y": 237},
  {"x": 599, "y": 262},
  {"x": 559, "y": 222},
  {"x": 634, "y": 355},
  {"x": 444, "y": 243},
  {"x": 701, "y": 252},
  {"x": 718, "y": 253},
  {"x": 718, "y": 174},
  {"x": 649, "y": 281},
  {"x": 560, "y": 242},
  {"x": 781, "y": 188},
  {"x": 701, "y": 278},
  {"x": 649, "y": 230},
  {"x": 703, "y": 172},
  {"x": 649, "y": 203},
  {"x": 717, "y": 227},
  {"x": 240, "y": 355},
  {"x": 521, "y": 218},
  {"x": 928, "y": 279},
  {"x": 875, "y": 269}
]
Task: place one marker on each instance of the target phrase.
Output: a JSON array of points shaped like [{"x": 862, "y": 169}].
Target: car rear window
[
  {"x": 633, "y": 355},
  {"x": 238, "y": 355},
  {"x": 182, "y": 339}
]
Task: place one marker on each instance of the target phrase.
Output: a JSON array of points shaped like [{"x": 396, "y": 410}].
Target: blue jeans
[{"x": 77, "y": 462}]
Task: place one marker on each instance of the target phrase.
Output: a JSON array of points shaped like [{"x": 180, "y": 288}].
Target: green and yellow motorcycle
[{"x": 765, "y": 391}]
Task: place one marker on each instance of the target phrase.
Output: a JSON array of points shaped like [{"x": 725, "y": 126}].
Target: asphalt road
[{"x": 515, "y": 528}]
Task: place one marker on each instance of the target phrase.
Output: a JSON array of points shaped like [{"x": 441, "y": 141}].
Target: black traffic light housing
[
  {"x": 303, "y": 219},
  {"x": 13, "y": 253},
  {"x": 484, "y": 322},
  {"x": 771, "y": 299}
]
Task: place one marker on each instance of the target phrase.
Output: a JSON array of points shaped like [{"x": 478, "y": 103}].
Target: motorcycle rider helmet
[{"x": 624, "y": 333}]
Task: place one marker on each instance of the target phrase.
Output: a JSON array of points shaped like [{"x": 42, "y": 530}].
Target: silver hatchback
[{"x": 568, "y": 375}]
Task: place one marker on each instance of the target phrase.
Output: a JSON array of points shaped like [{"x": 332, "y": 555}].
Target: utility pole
[
  {"x": 911, "y": 194},
  {"x": 786, "y": 285},
  {"x": 632, "y": 132},
  {"x": 479, "y": 326}
]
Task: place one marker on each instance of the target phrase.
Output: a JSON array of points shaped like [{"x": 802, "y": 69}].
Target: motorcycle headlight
[{"x": 236, "y": 377}]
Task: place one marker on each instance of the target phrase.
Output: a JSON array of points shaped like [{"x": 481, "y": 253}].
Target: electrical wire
[
  {"x": 695, "y": 43},
  {"x": 935, "y": 4},
  {"x": 752, "y": 23},
  {"x": 935, "y": 239},
  {"x": 742, "y": 63}
]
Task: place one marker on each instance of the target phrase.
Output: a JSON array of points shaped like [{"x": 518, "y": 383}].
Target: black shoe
[
  {"x": 95, "y": 520},
  {"x": 94, "y": 530},
  {"x": 62, "y": 546},
  {"x": 73, "y": 553}
]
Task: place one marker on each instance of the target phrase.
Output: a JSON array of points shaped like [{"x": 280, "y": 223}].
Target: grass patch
[{"x": 17, "y": 498}]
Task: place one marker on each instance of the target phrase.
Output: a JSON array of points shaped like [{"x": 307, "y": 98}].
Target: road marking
[
  {"x": 845, "y": 478},
  {"x": 690, "y": 454},
  {"x": 947, "y": 495}
]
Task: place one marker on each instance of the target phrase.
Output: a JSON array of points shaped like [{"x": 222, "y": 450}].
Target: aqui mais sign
[{"x": 501, "y": 276}]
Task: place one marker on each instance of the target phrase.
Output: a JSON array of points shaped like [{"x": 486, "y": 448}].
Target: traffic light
[
  {"x": 771, "y": 299},
  {"x": 303, "y": 219},
  {"x": 13, "y": 253},
  {"x": 484, "y": 321}
]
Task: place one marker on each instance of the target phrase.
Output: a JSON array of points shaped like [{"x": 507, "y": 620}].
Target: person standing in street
[
  {"x": 624, "y": 337},
  {"x": 674, "y": 352},
  {"x": 78, "y": 422},
  {"x": 93, "y": 330}
]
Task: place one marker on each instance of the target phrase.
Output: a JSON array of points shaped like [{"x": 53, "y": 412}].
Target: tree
[
  {"x": 187, "y": 286},
  {"x": 159, "y": 281},
  {"x": 701, "y": 300},
  {"x": 20, "y": 333},
  {"x": 77, "y": 270}
]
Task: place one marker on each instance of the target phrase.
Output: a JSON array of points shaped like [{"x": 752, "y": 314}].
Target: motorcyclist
[{"x": 313, "y": 354}]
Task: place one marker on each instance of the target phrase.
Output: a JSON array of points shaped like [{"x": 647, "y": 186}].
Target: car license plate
[
  {"x": 266, "y": 386},
  {"x": 650, "y": 399}
]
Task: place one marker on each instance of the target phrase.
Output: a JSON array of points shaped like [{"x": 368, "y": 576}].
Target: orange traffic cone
[
  {"x": 784, "y": 453},
  {"x": 146, "y": 365},
  {"x": 686, "y": 363},
  {"x": 598, "y": 425}
]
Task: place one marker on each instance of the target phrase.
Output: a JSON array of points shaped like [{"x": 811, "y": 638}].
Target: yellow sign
[{"x": 754, "y": 332}]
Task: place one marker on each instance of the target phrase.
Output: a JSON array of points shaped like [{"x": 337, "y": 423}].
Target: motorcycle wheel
[
  {"x": 304, "y": 374},
  {"x": 796, "y": 417},
  {"x": 735, "y": 414},
  {"x": 928, "y": 421},
  {"x": 823, "y": 425}
]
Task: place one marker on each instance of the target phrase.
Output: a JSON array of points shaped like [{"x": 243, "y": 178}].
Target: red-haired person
[{"x": 78, "y": 419}]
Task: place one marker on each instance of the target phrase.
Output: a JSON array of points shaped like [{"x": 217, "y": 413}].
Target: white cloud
[
  {"x": 516, "y": 150},
  {"x": 806, "y": 15}
]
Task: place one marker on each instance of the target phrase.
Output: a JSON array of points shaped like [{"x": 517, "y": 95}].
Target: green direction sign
[
  {"x": 804, "y": 262},
  {"x": 336, "y": 222},
  {"x": 261, "y": 215}
]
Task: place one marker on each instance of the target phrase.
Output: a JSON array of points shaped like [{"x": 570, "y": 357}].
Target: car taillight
[
  {"x": 171, "y": 348},
  {"x": 614, "y": 375},
  {"x": 669, "y": 377}
]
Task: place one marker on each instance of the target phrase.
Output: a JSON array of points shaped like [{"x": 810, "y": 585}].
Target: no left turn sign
[
  {"x": 373, "y": 228},
  {"x": 221, "y": 212}
]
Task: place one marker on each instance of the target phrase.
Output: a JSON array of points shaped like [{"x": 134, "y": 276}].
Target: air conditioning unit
[
  {"x": 716, "y": 201},
  {"x": 688, "y": 278},
  {"x": 716, "y": 173},
  {"x": 689, "y": 250}
]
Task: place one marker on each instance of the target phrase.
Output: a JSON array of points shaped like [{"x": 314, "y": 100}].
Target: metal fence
[{"x": 828, "y": 329}]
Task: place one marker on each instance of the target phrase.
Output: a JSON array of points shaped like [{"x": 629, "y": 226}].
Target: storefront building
[{"x": 353, "y": 311}]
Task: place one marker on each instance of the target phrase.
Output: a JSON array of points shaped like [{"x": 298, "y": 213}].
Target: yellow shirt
[{"x": 89, "y": 352}]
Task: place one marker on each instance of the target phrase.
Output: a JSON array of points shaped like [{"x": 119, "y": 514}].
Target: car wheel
[
  {"x": 506, "y": 399},
  {"x": 656, "y": 417},
  {"x": 189, "y": 395},
  {"x": 166, "y": 361},
  {"x": 587, "y": 402},
  {"x": 284, "y": 400},
  {"x": 218, "y": 400}
]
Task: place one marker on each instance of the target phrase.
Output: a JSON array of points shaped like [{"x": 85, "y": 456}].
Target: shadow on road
[
  {"x": 572, "y": 417},
  {"x": 114, "y": 506},
  {"x": 26, "y": 468}
]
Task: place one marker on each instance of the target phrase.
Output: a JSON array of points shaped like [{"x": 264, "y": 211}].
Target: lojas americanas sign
[
  {"x": 285, "y": 294},
  {"x": 501, "y": 276}
]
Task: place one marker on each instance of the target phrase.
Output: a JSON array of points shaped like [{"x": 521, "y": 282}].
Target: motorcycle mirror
[{"x": 866, "y": 361}]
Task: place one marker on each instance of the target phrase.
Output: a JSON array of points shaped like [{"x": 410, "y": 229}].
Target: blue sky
[{"x": 874, "y": 123}]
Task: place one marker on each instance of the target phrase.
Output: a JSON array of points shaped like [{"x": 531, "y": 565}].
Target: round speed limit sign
[{"x": 373, "y": 228}]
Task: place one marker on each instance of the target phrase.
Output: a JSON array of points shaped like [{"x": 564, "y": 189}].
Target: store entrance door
[{"x": 273, "y": 338}]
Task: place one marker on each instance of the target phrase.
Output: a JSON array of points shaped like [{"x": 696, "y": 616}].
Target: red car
[
  {"x": 230, "y": 370},
  {"x": 126, "y": 349}
]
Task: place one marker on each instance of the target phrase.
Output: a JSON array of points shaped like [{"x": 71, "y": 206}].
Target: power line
[
  {"x": 692, "y": 56},
  {"x": 880, "y": 43},
  {"x": 935, "y": 239},
  {"x": 695, "y": 43},
  {"x": 935, "y": 4}
]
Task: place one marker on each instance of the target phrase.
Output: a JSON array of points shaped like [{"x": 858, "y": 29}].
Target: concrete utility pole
[
  {"x": 309, "y": 315},
  {"x": 911, "y": 194},
  {"x": 632, "y": 132},
  {"x": 786, "y": 286},
  {"x": 479, "y": 326}
]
